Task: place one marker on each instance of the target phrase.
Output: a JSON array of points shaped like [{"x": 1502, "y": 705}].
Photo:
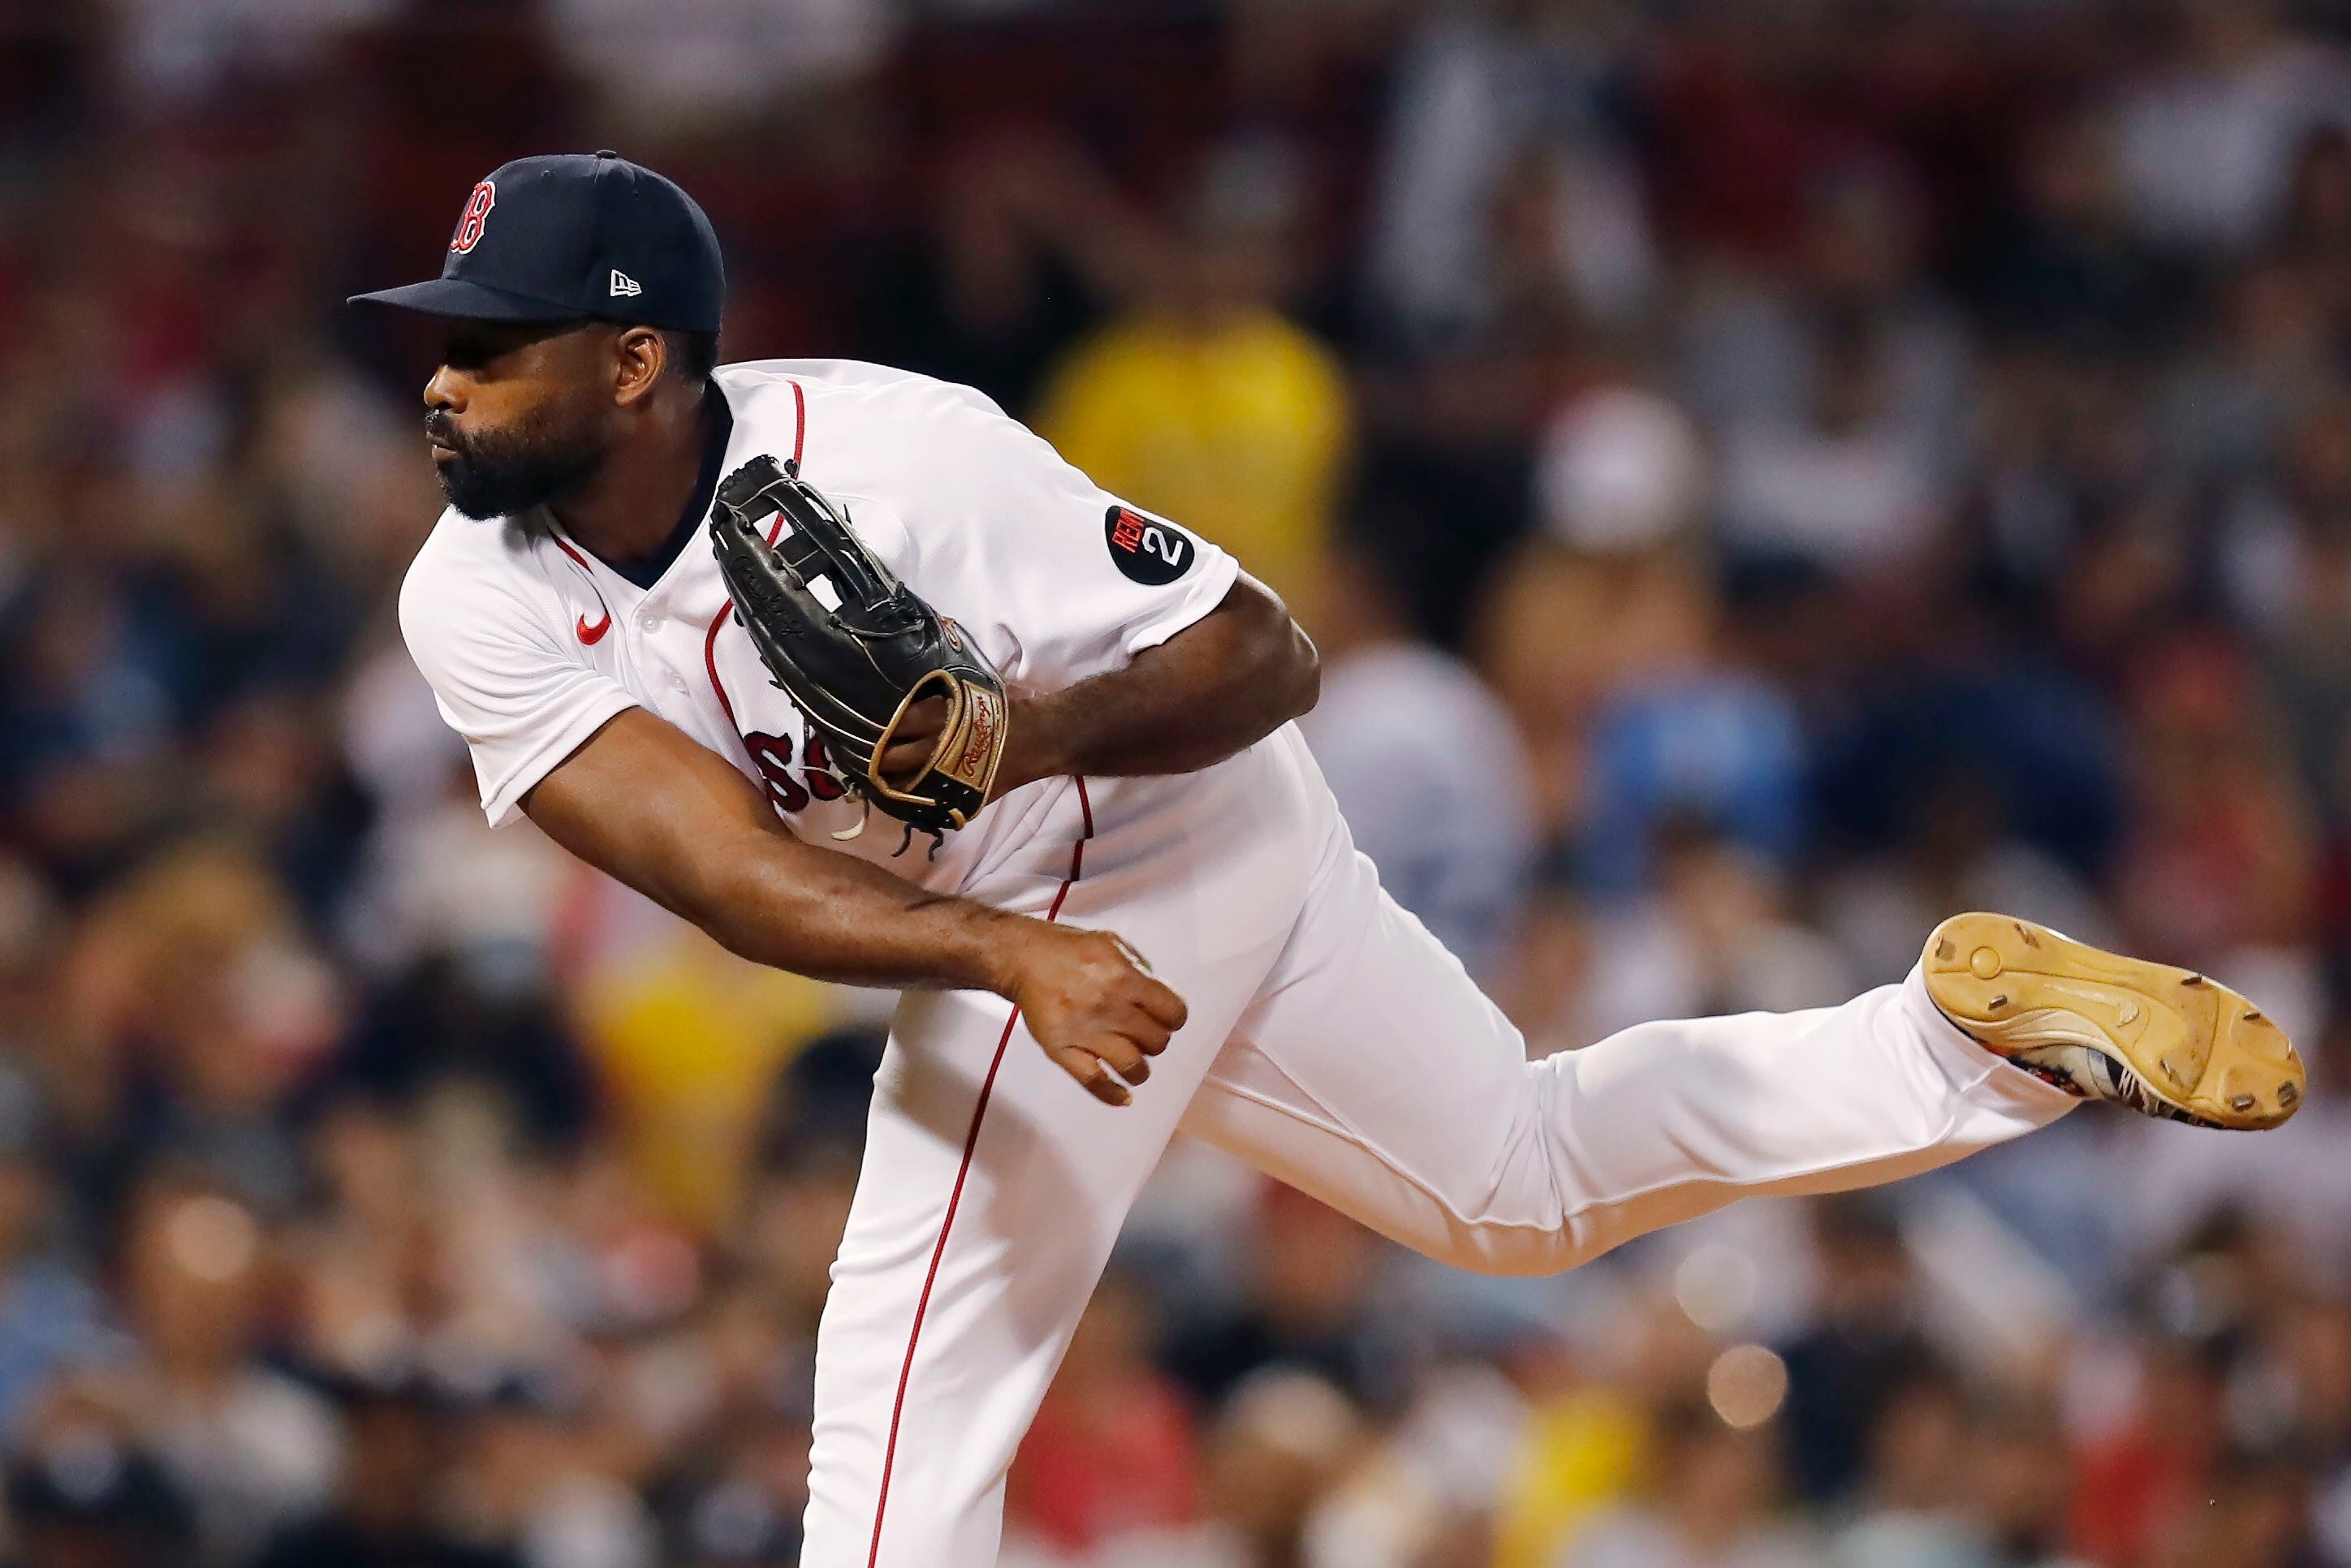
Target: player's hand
[
  {"x": 917, "y": 736},
  {"x": 1092, "y": 1005},
  {"x": 1028, "y": 755}
]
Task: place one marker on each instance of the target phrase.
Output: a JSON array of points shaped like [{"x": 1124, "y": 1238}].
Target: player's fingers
[
  {"x": 1164, "y": 1006},
  {"x": 1149, "y": 1035},
  {"x": 1097, "y": 1079},
  {"x": 903, "y": 759},
  {"x": 914, "y": 738},
  {"x": 923, "y": 720},
  {"x": 1125, "y": 1055}
]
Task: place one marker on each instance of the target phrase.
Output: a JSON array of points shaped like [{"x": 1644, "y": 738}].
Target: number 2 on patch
[{"x": 1146, "y": 549}]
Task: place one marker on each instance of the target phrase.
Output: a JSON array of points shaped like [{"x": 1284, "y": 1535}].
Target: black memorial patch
[{"x": 1146, "y": 548}]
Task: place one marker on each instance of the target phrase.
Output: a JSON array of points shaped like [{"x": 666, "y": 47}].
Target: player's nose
[{"x": 445, "y": 390}]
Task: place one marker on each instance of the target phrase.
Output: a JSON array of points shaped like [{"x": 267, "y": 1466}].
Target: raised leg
[{"x": 1373, "y": 1073}]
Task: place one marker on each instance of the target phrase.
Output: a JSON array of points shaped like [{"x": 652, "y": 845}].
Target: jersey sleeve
[
  {"x": 501, "y": 679},
  {"x": 1056, "y": 578}
]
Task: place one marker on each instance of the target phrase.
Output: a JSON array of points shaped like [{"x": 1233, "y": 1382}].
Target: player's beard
[{"x": 542, "y": 458}]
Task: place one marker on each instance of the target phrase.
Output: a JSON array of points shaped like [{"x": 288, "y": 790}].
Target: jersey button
[{"x": 650, "y": 622}]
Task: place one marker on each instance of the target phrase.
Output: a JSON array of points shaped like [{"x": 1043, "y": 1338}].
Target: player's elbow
[
  {"x": 1270, "y": 660},
  {"x": 733, "y": 899},
  {"x": 1301, "y": 681},
  {"x": 698, "y": 893},
  {"x": 721, "y": 881}
]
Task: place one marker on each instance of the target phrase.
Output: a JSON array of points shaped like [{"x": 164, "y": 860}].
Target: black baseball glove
[{"x": 858, "y": 656}]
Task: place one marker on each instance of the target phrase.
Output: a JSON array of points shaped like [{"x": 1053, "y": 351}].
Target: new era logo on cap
[{"x": 624, "y": 286}]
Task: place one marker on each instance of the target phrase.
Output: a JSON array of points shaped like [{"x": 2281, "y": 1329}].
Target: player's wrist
[
  {"x": 993, "y": 954},
  {"x": 1032, "y": 745}
]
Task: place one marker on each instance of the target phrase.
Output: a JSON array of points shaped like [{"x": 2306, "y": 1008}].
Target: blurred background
[{"x": 1763, "y": 473}]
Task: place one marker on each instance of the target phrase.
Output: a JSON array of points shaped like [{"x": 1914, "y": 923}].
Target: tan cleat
[{"x": 2165, "y": 1041}]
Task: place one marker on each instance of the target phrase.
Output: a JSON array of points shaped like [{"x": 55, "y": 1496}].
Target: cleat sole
[{"x": 2199, "y": 1048}]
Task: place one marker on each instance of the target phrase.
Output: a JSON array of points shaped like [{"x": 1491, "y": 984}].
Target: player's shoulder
[
  {"x": 849, "y": 398},
  {"x": 471, "y": 548},
  {"x": 465, "y": 565}
]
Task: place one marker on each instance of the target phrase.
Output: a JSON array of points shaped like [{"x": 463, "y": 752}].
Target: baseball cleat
[{"x": 2165, "y": 1041}]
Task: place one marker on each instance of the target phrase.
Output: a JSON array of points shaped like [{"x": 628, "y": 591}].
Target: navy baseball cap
[{"x": 575, "y": 236}]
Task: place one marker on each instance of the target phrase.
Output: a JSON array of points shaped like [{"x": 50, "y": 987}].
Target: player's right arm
[
  {"x": 553, "y": 737},
  {"x": 645, "y": 802}
]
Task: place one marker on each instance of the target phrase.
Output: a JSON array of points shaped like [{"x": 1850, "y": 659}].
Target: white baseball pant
[{"x": 1336, "y": 1045}]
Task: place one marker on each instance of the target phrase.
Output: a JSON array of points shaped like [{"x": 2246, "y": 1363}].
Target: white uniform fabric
[{"x": 1333, "y": 1043}]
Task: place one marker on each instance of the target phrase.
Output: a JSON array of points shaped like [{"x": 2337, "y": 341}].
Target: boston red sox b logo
[{"x": 476, "y": 213}]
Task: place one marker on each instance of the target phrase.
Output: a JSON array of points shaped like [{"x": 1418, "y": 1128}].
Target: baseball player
[{"x": 1150, "y": 919}]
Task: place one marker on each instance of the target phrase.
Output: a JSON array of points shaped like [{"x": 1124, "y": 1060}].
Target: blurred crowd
[{"x": 1763, "y": 475}]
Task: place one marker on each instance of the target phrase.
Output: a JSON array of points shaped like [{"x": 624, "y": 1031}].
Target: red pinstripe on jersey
[
  {"x": 954, "y": 1198},
  {"x": 710, "y": 638}
]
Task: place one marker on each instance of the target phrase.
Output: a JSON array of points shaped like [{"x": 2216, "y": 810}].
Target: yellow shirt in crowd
[
  {"x": 687, "y": 1040},
  {"x": 1237, "y": 429},
  {"x": 1581, "y": 1454}
]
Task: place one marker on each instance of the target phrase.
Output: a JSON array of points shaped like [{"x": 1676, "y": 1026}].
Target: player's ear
[{"x": 639, "y": 356}]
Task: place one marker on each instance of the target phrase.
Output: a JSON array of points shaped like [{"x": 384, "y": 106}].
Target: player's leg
[
  {"x": 992, "y": 1189},
  {"x": 1373, "y": 1073}
]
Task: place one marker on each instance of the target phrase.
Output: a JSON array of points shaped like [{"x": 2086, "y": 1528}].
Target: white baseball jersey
[
  {"x": 1332, "y": 1041},
  {"x": 531, "y": 643}
]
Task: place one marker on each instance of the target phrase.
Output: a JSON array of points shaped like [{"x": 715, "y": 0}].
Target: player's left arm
[
  {"x": 1128, "y": 645},
  {"x": 1225, "y": 681}
]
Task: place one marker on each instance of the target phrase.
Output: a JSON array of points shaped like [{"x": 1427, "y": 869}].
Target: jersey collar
[{"x": 718, "y": 430}]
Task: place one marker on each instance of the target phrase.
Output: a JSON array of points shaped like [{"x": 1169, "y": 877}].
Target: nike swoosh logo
[{"x": 592, "y": 635}]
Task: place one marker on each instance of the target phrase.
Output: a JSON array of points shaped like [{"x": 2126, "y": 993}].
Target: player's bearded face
[{"x": 536, "y": 458}]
